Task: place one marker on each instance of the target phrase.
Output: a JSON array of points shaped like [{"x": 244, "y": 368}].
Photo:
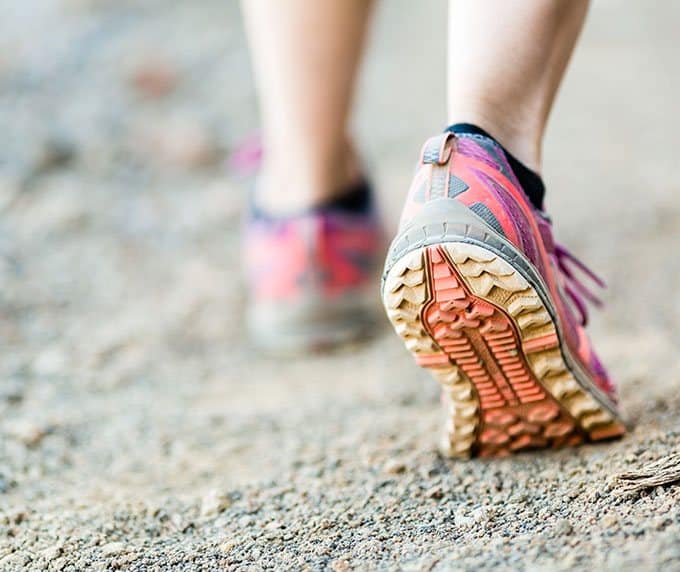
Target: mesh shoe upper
[
  {"x": 473, "y": 170},
  {"x": 322, "y": 253}
]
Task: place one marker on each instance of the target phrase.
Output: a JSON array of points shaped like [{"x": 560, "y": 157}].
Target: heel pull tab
[
  {"x": 436, "y": 150},
  {"x": 435, "y": 156}
]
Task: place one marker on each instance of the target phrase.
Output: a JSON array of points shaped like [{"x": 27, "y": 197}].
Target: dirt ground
[{"x": 138, "y": 431}]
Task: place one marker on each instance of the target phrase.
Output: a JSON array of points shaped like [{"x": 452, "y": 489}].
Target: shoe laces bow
[{"x": 574, "y": 287}]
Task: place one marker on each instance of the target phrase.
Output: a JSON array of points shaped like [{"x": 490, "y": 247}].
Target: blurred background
[{"x": 136, "y": 425}]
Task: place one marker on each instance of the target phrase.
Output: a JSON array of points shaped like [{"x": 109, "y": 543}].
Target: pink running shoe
[
  {"x": 487, "y": 301},
  {"x": 310, "y": 277}
]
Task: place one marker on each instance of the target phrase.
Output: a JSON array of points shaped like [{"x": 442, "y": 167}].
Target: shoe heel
[{"x": 480, "y": 327}]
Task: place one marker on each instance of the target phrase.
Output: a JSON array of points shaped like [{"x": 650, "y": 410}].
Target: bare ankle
[
  {"x": 519, "y": 137},
  {"x": 293, "y": 181}
]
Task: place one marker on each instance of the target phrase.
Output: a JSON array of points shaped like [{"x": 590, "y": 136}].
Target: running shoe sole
[
  {"x": 474, "y": 312},
  {"x": 313, "y": 325}
]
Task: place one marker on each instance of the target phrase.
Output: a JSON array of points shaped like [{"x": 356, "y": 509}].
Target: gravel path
[{"x": 137, "y": 429}]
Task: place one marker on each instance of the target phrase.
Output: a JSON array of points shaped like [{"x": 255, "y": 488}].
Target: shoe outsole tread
[{"x": 478, "y": 325}]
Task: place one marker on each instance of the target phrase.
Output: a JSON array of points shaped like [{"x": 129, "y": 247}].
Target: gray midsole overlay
[
  {"x": 313, "y": 317},
  {"x": 448, "y": 220}
]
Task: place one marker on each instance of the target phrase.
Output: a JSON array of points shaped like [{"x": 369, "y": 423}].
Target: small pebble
[
  {"x": 214, "y": 503},
  {"x": 394, "y": 467},
  {"x": 112, "y": 548}
]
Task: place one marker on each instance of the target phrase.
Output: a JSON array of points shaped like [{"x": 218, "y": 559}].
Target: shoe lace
[{"x": 574, "y": 287}]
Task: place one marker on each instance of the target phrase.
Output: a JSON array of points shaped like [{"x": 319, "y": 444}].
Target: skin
[
  {"x": 305, "y": 58},
  {"x": 506, "y": 61}
]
